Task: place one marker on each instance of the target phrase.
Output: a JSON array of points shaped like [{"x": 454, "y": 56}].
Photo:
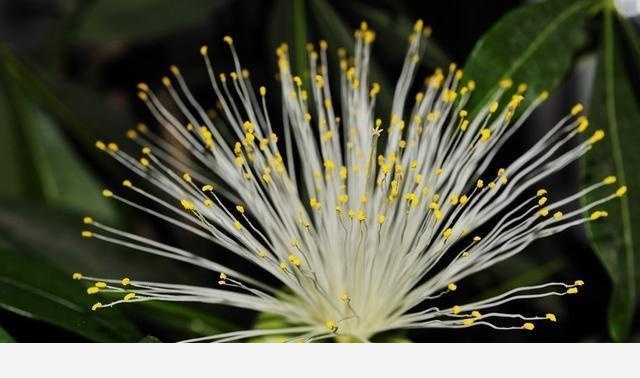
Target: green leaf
[
  {"x": 5, "y": 337},
  {"x": 615, "y": 107},
  {"x": 31, "y": 288},
  {"x": 534, "y": 44},
  {"x": 126, "y": 20}
]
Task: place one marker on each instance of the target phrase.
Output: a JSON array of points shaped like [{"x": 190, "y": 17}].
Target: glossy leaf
[
  {"x": 125, "y": 20},
  {"x": 33, "y": 289},
  {"x": 615, "y": 107},
  {"x": 534, "y": 44}
]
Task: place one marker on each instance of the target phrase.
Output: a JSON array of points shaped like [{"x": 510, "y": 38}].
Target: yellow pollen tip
[
  {"x": 621, "y": 191},
  {"x": 237, "y": 225},
  {"x": 467, "y": 322},
  {"x": 542, "y": 201},
  {"x": 127, "y": 183},
  {"x": 207, "y": 188},
  {"x": 129, "y": 297},
  {"x": 125, "y": 281},
  {"x": 188, "y": 205},
  {"x": 77, "y": 276},
  {"x": 452, "y": 287},
  {"x": 551, "y": 317},
  {"x": 331, "y": 325},
  {"x": 543, "y": 212},
  {"x": 86, "y": 234},
  {"x": 609, "y": 180},
  {"x": 96, "y": 306},
  {"x": 381, "y": 219},
  {"x": 541, "y": 192},
  {"x": 579, "y": 283},
  {"x": 166, "y": 81},
  {"x": 100, "y": 285},
  {"x": 345, "y": 297},
  {"x": 528, "y": 326},
  {"x": 572, "y": 290},
  {"x": 476, "y": 314},
  {"x": 240, "y": 209},
  {"x": 203, "y": 50},
  {"x": 456, "y": 310},
  {"x": 577, "y": 108},
  {"x": 93, "y": 290},
  {"x": 87, "y": 220},
  {"x": 228, "y": 40}
]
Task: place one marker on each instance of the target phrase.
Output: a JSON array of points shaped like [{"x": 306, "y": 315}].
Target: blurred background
[{"x": 68, "y": 72}]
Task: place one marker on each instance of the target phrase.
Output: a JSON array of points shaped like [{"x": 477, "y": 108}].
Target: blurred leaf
[
  {"x": 149, "y": 339},
  {"x": 84, "y": 115},
  {"x": 126, "y": 20},
  {"x": 5, "y": 337},
  {"x": 393, "y": 28},
  {"x": 294, "y": 34},
  {"x": 615, "y": 107},
  {"x": 17, "y": 163},
  {"x": 30, "y": 288},
  {"x": 534, "y": 44},
  {"x": 180, "y": 319}
]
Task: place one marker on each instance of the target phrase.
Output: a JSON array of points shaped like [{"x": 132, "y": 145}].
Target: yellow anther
[
  {"x": 77, "y": 276},
  {"x": 240, "y": 209},
  {"x": 597, "y": 215},
  {"x": 438, "y": 171},
  {"x": 223, "y": 276},
  {"x": 542, "y": 201},
  {"x": 129, "y": 297},
  {"x": 479, "y": 184},
  {"x": 467, "y": 322},
  {"x": 476, "y": 314},
  {"x": 131, "y": 134},
  {"x": 477, "y": 238},
  {"x": 621, "y": 191},
  {"x": 107, "y": 193},
  {"x": 381, "y": 219},
  {"x": 452, "y": 287},
  {"x": 228, "y": 40},
  {"x": 583, "y": 123},
  {"x": 456, "y": 309},
  {"x": 543, "y": 212},
  {"x": 551, "y": 317},
  {"x": 144, "y": 162},
  {"x": 493, "y": 107},
  {"x": 143, "y": 96},
  {"x": 343, "y": 198},
  {"x": 207, "y": 188},
  {"x": 100, "y": 145},
  {"x": 127, "y": 184},
  {"x": 142, "y": 87},
  {"x": 596, "y": 137},
  {"x": 447, "y": 233},
  {"x": 609, "y": 180},
  {"x": 262, "y": 254},
  {"x": 522, "y": 87},
  {"x": 188, "y": 205},
  {"x": 579, "y": 283},
  {"x": 87, "y": 220},
  {"x": 361, "y": 216},
  {"x": 100, "y": 285},
  {"x": 577, "y": 108},
  {"x": 283, "y": 265},
  {"x": 166, "y": 81},
  {"x": 557, "y": 215},
  {"x": 237, "y": 225},
  {"x": 125, "y": 281},
  {"x": 186, "y": 177},
  {"x": 541, "y": 192},
  {"x": 86, "y": 234},
  {"x": 203, "y": 50},
  {"x": 96, "y": 306},
  {"x": 463, "y": 199},
  {"x": 464, "y": 125},
  {"x": 437, "y": 214},
  {"x": 208, "y": 202},
  {"x": 506, "y": 83},
  {"x": 572, "y": 290},
  {"x": 331, "y": 325},
  {"x": 485, "y": 134},
  {"x": 528, "y": 326},
  {"x": 543, "y": 95},
  {"x": 93, "y": 290},
  {"x": 146, "y": 150}
]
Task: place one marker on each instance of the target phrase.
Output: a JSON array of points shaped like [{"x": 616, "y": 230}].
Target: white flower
[{"x": 363, "y": 237}]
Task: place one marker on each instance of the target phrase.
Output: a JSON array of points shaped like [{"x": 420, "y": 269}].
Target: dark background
[{"x": 53, "y": 37}]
